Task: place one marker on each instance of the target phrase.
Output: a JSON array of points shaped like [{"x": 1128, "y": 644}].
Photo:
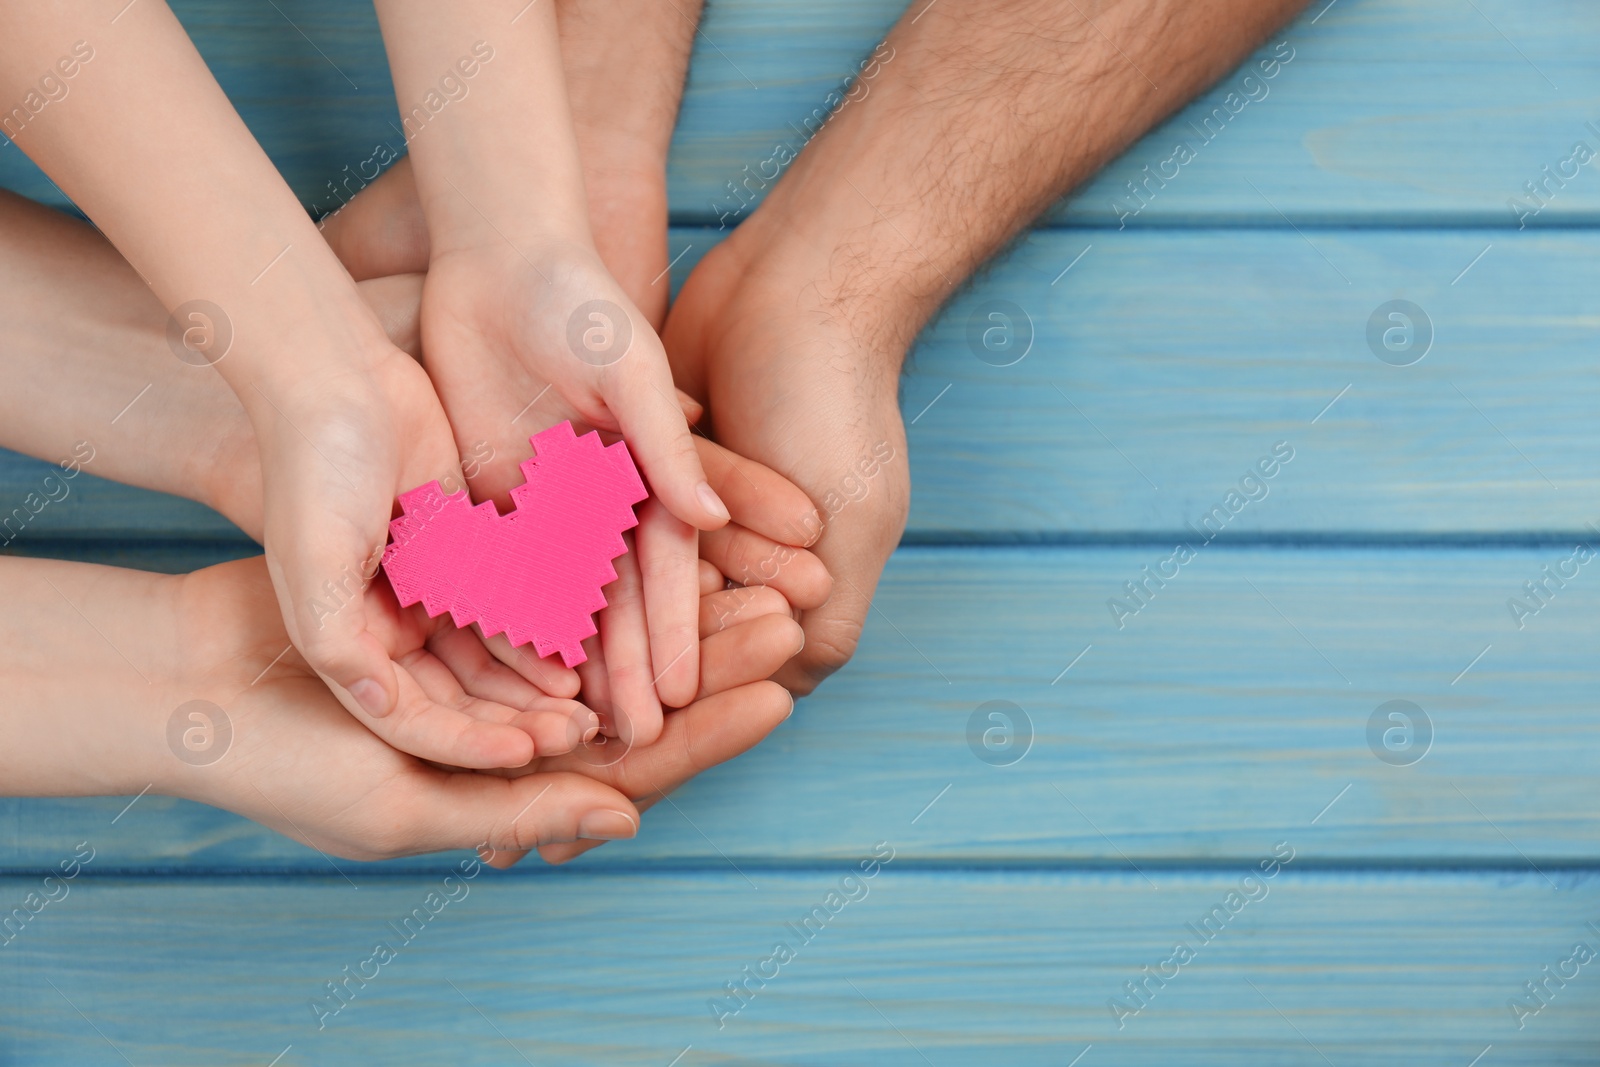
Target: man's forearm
[
  {"x": 980, "y": 117},
  {"x": 625, "y": 69},
  {"x": 626, "y": 63}
]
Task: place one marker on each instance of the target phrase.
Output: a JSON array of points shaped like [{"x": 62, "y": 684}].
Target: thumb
[{"x": 505, "y": 817}]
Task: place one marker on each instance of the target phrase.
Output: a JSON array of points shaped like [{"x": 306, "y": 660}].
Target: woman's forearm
[
  {"x": 88, "y": 680},
  {"x": 88, "y": 358}
]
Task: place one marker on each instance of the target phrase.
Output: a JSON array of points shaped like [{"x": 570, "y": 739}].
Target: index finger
[{"x": 640, "y": 394}]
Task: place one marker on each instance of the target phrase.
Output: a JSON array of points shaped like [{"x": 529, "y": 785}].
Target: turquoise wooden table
[{"x": 1209, "y": 759}]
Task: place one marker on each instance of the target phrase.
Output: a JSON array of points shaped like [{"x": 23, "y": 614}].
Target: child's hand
[
  {"x": 514, "y": 344},
  {"x": 335, "y": 452},
  {"x": 522, "y": 324}
]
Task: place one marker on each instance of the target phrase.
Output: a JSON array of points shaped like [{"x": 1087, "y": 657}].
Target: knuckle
[
  {"x": 695, "y": 763},
  {"x": 476, "y": 677},
  {"x": 322, "y": 648},
  {"x": 509, "y": 836},
  {"x": 655, "y": 566},
  {"x": 831, "y": 649},
  {"x": 804, "y": 685}
]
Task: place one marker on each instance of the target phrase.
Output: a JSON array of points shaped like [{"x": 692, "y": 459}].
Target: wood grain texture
[
  {"x": 926, "y": 968},
  {"x": 1164, "y": 365},
  {"x": 1232, "y": 708},
  {"x": 1391, "y": 111}
]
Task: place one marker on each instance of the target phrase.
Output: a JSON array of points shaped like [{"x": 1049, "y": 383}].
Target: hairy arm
[
  {"x": 626, "y": 63},
  {"x": 967, "y": 121},
  {"x": 987, "y": 114}
]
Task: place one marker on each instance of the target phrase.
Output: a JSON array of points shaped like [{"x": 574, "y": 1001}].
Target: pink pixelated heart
[{"x": 535, "y": 574}]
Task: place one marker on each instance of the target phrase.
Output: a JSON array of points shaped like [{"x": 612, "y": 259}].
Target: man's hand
[
  {"x": 970, "y": 119},
  {"x": 791, "y": 389},
  {"x": 746, "y": 634}
]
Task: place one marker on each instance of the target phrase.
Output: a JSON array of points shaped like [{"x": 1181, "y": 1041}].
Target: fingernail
[
  {"x": 592, "y": 729},
  {"x": 603, "y": 824},
  {"x": 791, "y": 708},
  {"x": 710, "y": 500},
  {"x": 370, "y": 695}
]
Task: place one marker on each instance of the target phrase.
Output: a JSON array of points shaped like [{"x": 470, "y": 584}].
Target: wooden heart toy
[{"x": 535, "y": 574}]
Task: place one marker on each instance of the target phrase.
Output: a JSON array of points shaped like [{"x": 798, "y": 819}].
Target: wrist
[
  {"x": 493, "y": 223},
  {"x": 91, "y": 680},
  {"x": 628, "y": 214},
  {"x": 303, "y": 370},
  {"x": 819, "y": 268},
  {"x": 220, "y": 634},
  {"x": 882, "y": 249},
  {"x": 301, "y": 322}
]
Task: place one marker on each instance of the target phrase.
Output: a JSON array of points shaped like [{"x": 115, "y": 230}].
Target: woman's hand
[
  {"x": 298, "y": 763},
  {"x": 796, "y": 387},
  {"x": 120, "y": 681}
]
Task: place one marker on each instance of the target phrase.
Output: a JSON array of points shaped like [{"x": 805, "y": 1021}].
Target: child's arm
[
  {"x": 522, "y": 323},
  {"x": 147, "y": 145},
  {"x": 626, "y": 64}
]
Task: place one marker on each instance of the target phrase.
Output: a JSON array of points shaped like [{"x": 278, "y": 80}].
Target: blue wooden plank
[
  {"x": 1234, "y": 710},
  {"x": 921, "y": 968},
  {"x": 1390, "y": 111},
  {"x": 42, "y": 512},
  {"x": 1235, "y": 706},
  {"x": 1165, "y": 365}
]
